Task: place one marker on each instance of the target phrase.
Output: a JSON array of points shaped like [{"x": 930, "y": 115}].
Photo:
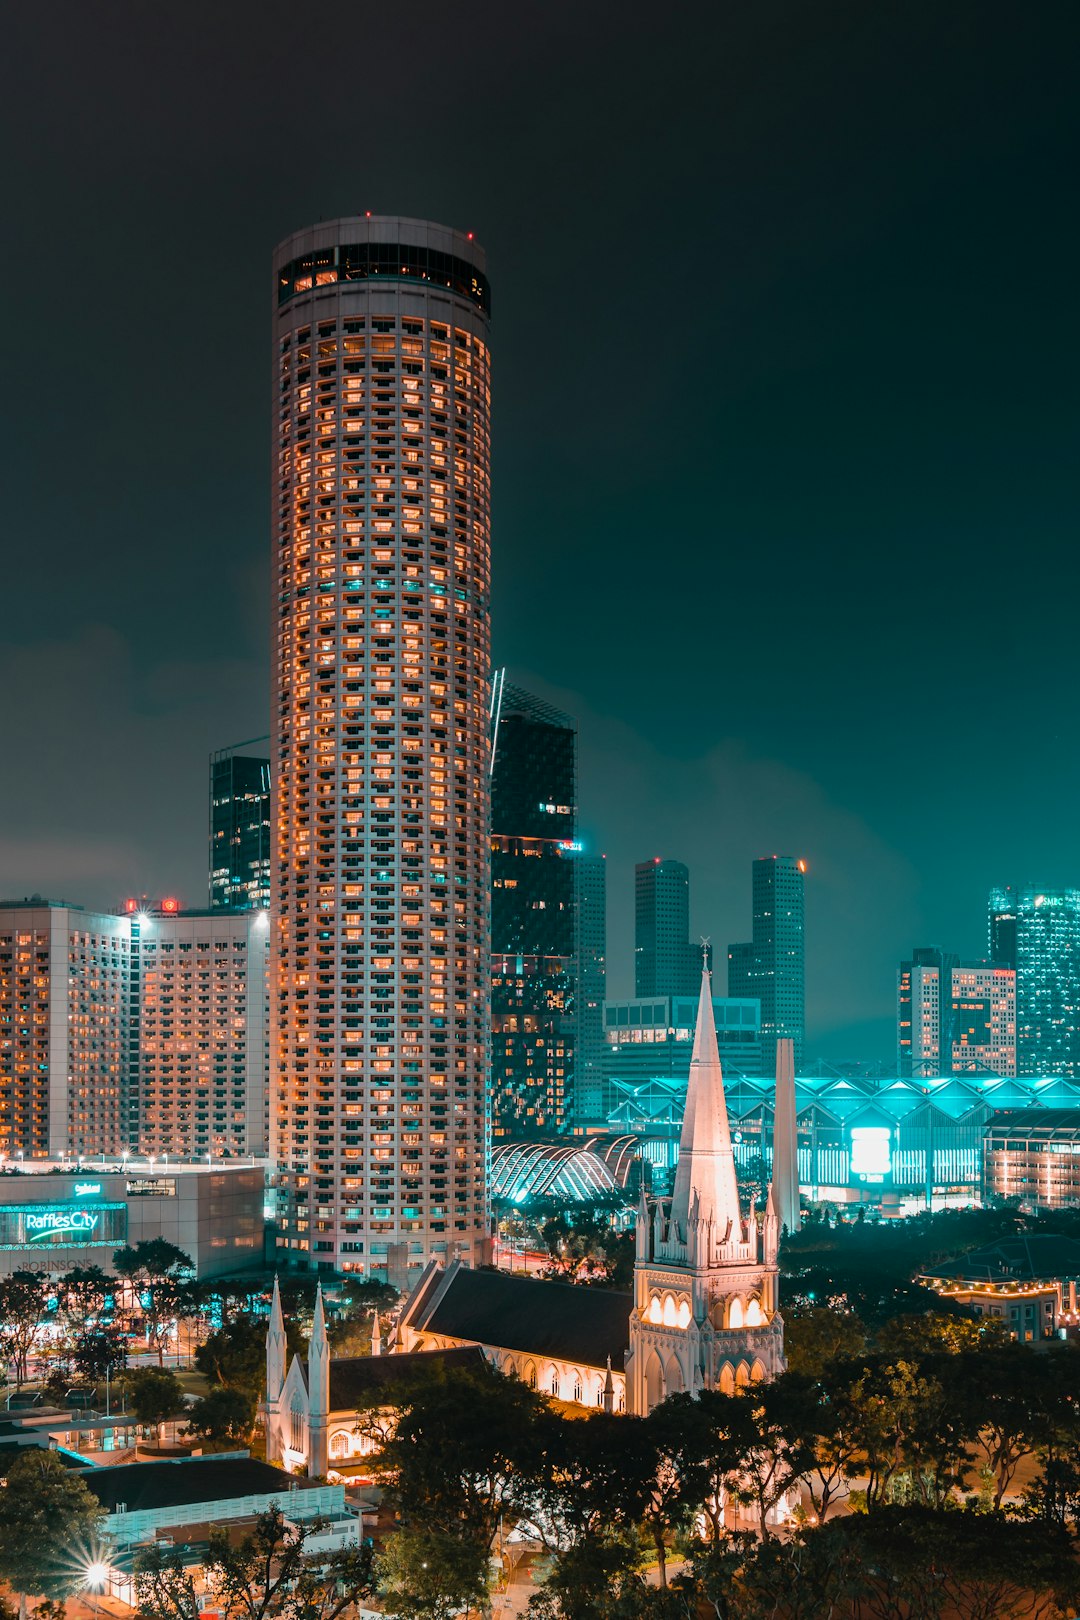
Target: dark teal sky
[{"x": 786, "y": 344}]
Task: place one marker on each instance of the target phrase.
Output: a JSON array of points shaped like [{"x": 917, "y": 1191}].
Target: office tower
[
  {"x": 954, "y": 1017},
  {"x": 590, "y": 955},
  {"x": 771, "y": 965},
  {"x": 64, "y": 985},
  {"x": 665, "y": 961},
  {"x": 652, "y": 1039},
  {"x": 1048, "y": 981},
  {"x": 380, "y": 871},
  {"x": 533, "y": 912},
  {"x": 199, "y": 1037},
  {"x": 239, "y": 829},
  {"x": 1001, "y": 927}
]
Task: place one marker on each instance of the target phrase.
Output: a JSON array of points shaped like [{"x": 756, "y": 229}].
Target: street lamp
[{"x": 95, "y": 1580}]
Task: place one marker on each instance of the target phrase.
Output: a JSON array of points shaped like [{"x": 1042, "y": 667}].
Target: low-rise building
[{"x": 1028, "y": 1284}]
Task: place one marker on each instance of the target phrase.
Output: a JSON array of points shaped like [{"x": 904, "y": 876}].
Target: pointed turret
[
  {"x": 318, "y": 1392},
  {"x": 641, "y": 1231},
  {"x": 276, "y": 1348},
  {"x": 376, "y": 1336},
  {"x": 705, "y": 1175},
  {"x": 609, "y": 1389},
  {"x": 785, "y": 1168}
]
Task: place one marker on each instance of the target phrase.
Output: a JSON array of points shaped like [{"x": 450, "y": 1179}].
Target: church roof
[
  {"x": 560, "y": 1320},
  {"x": 354, "y": 1379}
]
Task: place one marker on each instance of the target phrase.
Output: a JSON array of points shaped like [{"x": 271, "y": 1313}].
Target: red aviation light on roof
[
  {"x": 131, "y": 906},
  {"x": 170, "y": 906}
]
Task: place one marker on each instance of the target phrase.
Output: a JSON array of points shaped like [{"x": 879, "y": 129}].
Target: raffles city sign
[{"x": 62, "y": 1226}]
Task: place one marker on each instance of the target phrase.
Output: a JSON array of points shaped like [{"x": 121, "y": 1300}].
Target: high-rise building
[
  {"x": 380, "y": 870},
  {"x": 239, "y": 829},
  {"x": 1001, "y": 927},
  {"x": 1048, "y": 981},
  {"x": 954, "y": 1017},
  {"x": 665, "y": 961},
  {"x": 771, "y": 966},
  {"x": 64, "y": 989},
  {"x": 548, "y": 934},
  {"x": 199, "y": 1049}
]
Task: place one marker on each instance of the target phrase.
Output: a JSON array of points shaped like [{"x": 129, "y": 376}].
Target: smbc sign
[{"x": 62, "y": 1226}]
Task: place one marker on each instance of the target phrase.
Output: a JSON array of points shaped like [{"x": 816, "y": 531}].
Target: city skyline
[{"x": 884, "y": 370}]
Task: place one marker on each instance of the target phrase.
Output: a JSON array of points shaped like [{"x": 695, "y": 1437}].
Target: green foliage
[
  {"x": 815, "y": 1335},
  {"x": 235, "y": 1355},
  {"x": 223, "y": 1414},
  {"x": 97, "y": 1352},
  {"x": 24, "y": 1300},
  {"x": 154, "y": 1395},
  {"x": 463, "y": 1451},
  {"x": 432, "y": 1574},
  {"x": 81, "y": 1294},
  {"x": 49, "y": 1526},
  {"x": 584, "y": 1245},
  {"x": 160, "y": 1277}
]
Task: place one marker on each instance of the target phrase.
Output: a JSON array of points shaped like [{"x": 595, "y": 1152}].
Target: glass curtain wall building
[
  {"x": 1048, "y": 981},
  {"x": 533, "y": 974},
  {"x": 380, "y": 871},
  {"x": 665, "y": 962},
  {"x": 771, "y": 967},
  {"x": 239, "y": 830}
]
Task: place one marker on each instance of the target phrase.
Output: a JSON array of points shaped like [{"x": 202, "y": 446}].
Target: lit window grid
[{"x": 334, "y": 543}]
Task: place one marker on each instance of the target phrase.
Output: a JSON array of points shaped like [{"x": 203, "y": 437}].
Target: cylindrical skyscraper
[{"x": 380, "y": 863}]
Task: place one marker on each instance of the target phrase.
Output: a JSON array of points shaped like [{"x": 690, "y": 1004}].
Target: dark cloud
[{"x": 786, "y": 339}]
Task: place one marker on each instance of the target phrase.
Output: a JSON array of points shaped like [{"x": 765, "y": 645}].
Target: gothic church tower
[{"x": 706, "y": 1312}]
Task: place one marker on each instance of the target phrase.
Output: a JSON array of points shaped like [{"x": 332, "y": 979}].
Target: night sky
[{"x": 786, "y": 352}]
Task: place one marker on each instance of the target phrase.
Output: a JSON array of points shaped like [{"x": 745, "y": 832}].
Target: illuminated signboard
[
  {"x": 88, "y": 1189},
  {"x": 871, "y": 1152},
  {"x": 62, "y": 1226}
]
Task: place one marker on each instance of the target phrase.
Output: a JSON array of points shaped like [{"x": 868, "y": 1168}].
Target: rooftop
[
  {"x": 182, "y": 1482},
  {"x": 1046, "y": 1257},
  {"x": 355, "y": 1379},
  {"x": 555, "y": 1319}
]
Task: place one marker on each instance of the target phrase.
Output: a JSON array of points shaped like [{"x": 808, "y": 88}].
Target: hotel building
[{"x": 380, "y": 869}]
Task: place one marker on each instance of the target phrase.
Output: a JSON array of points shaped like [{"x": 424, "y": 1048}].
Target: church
[{"x": 704, "y": 1312}]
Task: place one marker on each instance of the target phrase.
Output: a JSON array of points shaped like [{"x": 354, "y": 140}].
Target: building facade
[
  {"x": 239, "y": 829},
  {"x": 64, "y": 994},
  {"x": 1048, "y": 981},
  {"x": 199, "y": 1038},
  {"x": 533, "y": 963},
  {"x": 771, "y": 966},
  {"x": 55, "y": 1218},
  {"x": 953, "y": 1016},
  {"x": 1033, "y": 1155},
  {"x": 1001, "y": 927},
  {"x": 590, "y": 959},
  {"x": 653, "y": 1038},
  {"x": 380, "y": 869},
  {"x": 665, "y": 962}
]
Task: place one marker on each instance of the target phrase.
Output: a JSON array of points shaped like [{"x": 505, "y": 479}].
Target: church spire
[
  {"x": 705, "y": 1175},
  {"x": 276, "y": 1348},
  {"x": 785, "y": 1165},
  {"x": 318, "y": 1392}
]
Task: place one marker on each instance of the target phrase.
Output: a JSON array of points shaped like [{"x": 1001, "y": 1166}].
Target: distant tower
[
  {"x": 276, "y": 1368},
  {"x": 318, "y": 1393},
  {"x": 772, "y": 966},
  {"x": 785, "y": 1164},
  {"x": 665, "y": 962},
  {"x": 240, "y": 829},
  {"x": 1001, "y": 927},
  {"x": 706, "y": 1310}
]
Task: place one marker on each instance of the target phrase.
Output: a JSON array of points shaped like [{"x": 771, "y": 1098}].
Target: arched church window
[
  {"x": 655, "y": 1312},
  {"x": 555, "y": 1384},
  {"x": 577, "y": 1390},
  {"x": 682, "y": 1315},
  {"x": 735, "y": 1314},
  {"x": 755, "y": 1316},
  {"x": 669, "y": 1310}
]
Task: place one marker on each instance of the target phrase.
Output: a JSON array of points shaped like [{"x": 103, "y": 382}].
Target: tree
[
  {"x": 936, "y": 1333},
  {"x": 49, "y": 1523},
  {"x": 223, "y": 1414},
  {"x": 775, "y": 1451},
  {"x": 816, "y": 1335},
  {"x": 24, "y": 1300},
  {"x": 98, "y": 1353},
  {"x": 235, "y": 1355},
  {"x": 159, "y": 1277},
  {"x": 81, "y": 1294},
  {"x": 155, "y": 1395},
  {"x": 463, "y": 1450},
  {"x": 164, "y": 1586},
  {"x": 271, "y": 1573},
  {"x": 433, "y": 1575}
]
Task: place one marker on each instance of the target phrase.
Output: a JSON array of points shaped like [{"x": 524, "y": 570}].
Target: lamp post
[{"x": 95, "y": 1580}]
